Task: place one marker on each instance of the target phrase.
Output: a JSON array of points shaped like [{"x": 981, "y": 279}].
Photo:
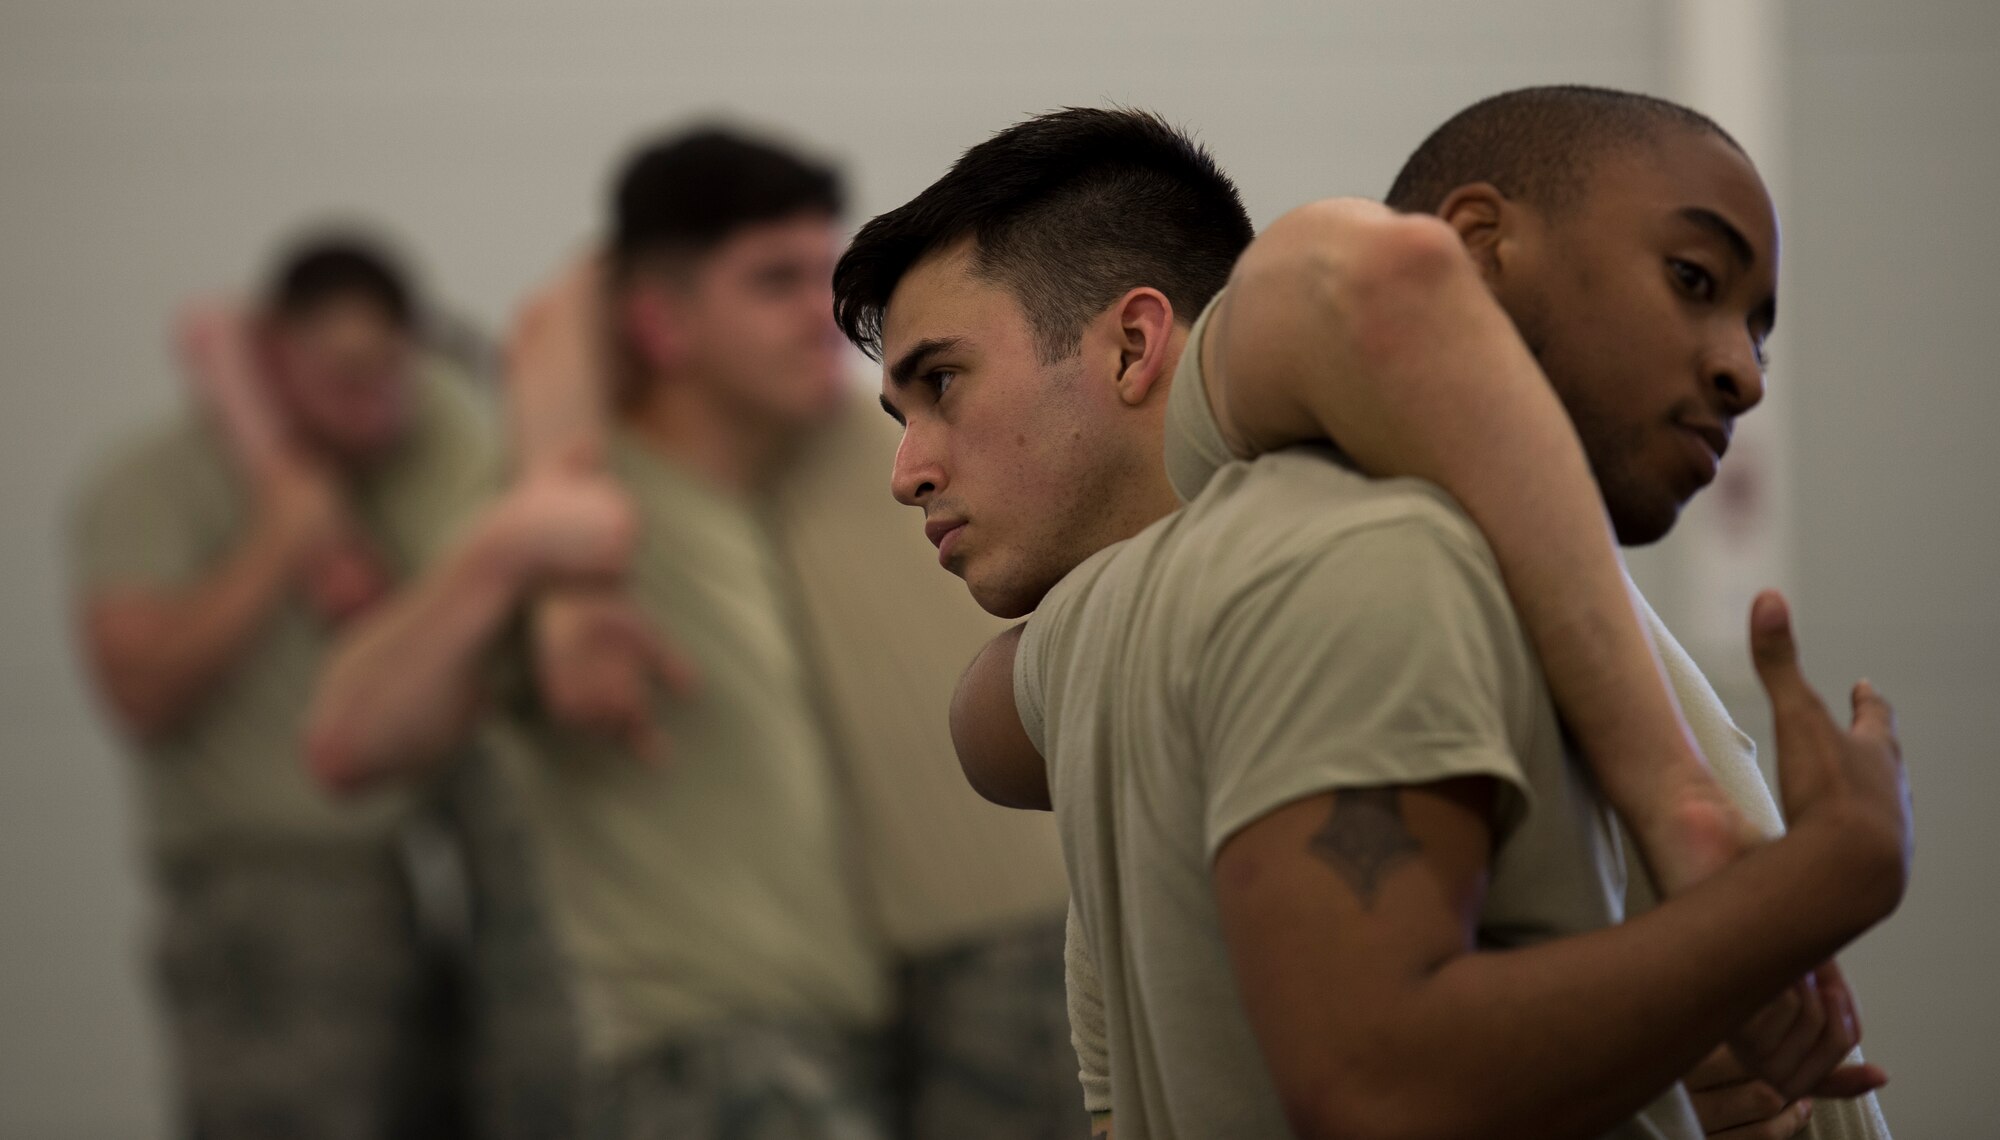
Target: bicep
[
  {"x": 1334, "y": 905},
  {"x": 999, "y": 760}
]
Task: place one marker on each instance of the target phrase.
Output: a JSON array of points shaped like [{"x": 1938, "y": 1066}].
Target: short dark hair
[
  {"x": 1068, "y": 210},
  {"x": 334, "y": 266},
  {"x": 1538, "y": 144},
  {"x": 683, "y": 195}
]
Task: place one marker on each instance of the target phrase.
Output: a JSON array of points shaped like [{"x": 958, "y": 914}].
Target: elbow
[
  {"x": 1400, "y": 271},
  {"x": 148, "y": 714},
  {"x": 1365, "y": 1105},
  {"x": 1382, "y": 272},
  {"x": 334, "y": 757}
]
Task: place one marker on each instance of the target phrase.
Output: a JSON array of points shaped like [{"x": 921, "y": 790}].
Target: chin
[
  {"x": 1002, "y": 599},
  {"x": 1001, "y": 605},
  {"x": 1644, "y": 527}
]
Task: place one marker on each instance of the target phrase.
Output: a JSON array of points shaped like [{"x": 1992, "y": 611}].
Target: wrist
[
  {"x": 496, "y": 554},
  {"x": 1862, "y": 874},
  {"x": 280, "y": 541}
]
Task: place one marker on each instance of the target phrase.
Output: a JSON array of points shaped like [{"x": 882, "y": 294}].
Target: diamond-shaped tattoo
[{"x": 1364, "y": 839}]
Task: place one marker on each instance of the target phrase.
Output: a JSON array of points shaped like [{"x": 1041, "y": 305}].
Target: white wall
[{"x": 146, "y": 150}]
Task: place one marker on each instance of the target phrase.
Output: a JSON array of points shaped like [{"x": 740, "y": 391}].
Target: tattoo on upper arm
[{"x": 1364, "y": 839}]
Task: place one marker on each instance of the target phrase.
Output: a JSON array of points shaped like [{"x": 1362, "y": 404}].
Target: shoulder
[
  {"x": 455, "y": 417},
  {"x": 1302, "y": 507},
  {"x": 174, "y": 455}
]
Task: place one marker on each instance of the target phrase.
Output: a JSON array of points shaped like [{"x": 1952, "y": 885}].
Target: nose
[
  {"x": 1736, "y": 375},
  {"x": 917, "y": 475}
]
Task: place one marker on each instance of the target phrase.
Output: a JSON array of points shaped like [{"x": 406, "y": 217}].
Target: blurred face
[
  {"x": 1022, "y": 468},
  {"x": 1648, "y": 304},
  {"x": 753, "y": 322},
  {"x": 342, "y": 375}
]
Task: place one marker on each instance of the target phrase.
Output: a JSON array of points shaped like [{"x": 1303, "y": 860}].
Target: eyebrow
[
  {"x": 1714, "y": 223},
  {"x": 912, "y": 362}
]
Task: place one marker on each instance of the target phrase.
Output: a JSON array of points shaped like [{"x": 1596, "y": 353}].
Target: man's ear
[
  {"x": 652, "y": 320},
  {"x": 1144, "y": 328},
  {"x": 1485, "y": 220}
]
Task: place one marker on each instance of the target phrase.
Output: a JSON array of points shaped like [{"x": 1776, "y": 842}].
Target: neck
[
  {"x": 1151, "y": 501},
  {"x": 731, "y": 448}
]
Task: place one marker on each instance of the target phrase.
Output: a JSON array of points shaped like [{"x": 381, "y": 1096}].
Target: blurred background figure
[
  {"x": 216, "y": 555},
  {"x": 783, "y": 913}
]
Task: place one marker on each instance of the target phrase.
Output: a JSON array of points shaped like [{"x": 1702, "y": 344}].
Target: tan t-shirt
[
  {"x": 718, "y": 886},
  {"x": 888, "y": 633},
  {"x": 1295, "y": 629},
  {"x": 165, "y": 511},
  {"x": 1195, "y": 451}
]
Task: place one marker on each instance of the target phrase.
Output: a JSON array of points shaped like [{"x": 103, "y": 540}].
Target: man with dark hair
[
  {"x": 1328, "y": 853},
  {"x": 1112, "y": 187},
  {"x": 732, "y": 973},
  {"x": 339, "y": 267},
  {"x": 1046, "y": 232},
  {"x": 300, "y": 999}
]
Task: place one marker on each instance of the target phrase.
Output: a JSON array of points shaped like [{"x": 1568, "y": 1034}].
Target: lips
[
  {"x": 1706, "y": 445},
  {"x": 943, "y": 533},
  {"x": 1715, "y": 436}
]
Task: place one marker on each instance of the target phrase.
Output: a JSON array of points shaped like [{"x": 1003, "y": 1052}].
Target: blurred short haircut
[
  {"x": 680, "y": 197},
  {"x": 1068, "y": 211},
  {"x": 335, "y": 266},
  {"x": 1538, "y": 145}
]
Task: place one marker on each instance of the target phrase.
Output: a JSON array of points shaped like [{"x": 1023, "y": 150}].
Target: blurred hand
[
  {"x": 563, "y": 524},
  {"x": 597, "y": 661},
  {"x": 346, "y": 579},
  {"x": 1732, "y": 1104},
  {"x": 298, "y": 503},
  {"x": 213, "y": 334}
]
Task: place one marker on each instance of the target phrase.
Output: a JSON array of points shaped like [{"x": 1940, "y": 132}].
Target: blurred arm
[
  {"x": 402, "y": 686},
  {"x": 157, "y": 653}
]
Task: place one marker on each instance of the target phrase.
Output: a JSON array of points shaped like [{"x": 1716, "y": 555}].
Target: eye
[
  {"x": 1693, "y": 280},
  {"x": 940, "y": 379}
]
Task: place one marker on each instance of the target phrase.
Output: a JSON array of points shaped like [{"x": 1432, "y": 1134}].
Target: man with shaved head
[{"x": 1330, "y": 853}]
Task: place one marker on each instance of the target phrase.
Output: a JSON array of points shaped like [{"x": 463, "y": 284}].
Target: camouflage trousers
[
  {"x": 743, "y": 1081},
  {"x": 301, "y": 1002},
  {"x": 523, "y": 1059},
  {"x": 982, "y": 1048}
]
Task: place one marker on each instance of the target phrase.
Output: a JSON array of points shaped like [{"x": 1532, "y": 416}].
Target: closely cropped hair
[
  {"x": 1068, "y": 210},
  {"x": 330, "y": 267},
  {"x": 684, "y": 195},
  {"x": 1538, "y": 144}
]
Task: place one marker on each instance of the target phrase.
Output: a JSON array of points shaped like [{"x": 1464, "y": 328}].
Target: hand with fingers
[
  {"x": 340, "y": 570},
  {"x": 567, "y": 525},
  {"x": 1849, "y": 786},
  {"x": 599, "y": 662},
  {"x": 1733, "y": 1104}
]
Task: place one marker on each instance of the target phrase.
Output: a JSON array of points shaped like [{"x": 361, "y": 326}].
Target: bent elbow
[
  {"x": 333, "y": 758},
  {"x": 1374, "y": 1110},
  {"x": 1399, "y": 271},
  {"x": 147, "y": 714}
]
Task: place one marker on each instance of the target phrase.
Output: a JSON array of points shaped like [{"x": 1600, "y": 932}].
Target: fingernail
[{"x": 1805, "y": 1108}]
